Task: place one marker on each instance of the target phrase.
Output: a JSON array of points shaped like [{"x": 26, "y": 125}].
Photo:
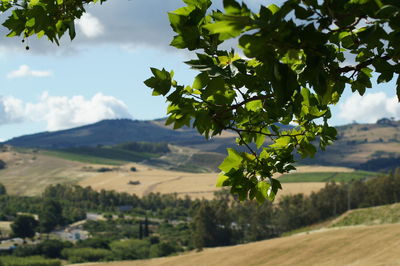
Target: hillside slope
[
  {"x": 29, "y": 171},
  {"x": 369, "y": 216},
  {"x": 363, "y": 245},
  {"x": 371, "y": 147}
]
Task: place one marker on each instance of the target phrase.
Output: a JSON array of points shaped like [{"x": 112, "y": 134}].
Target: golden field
[
  {"x": 356, "y": 246},
  {"x": 29, "y": 174}
]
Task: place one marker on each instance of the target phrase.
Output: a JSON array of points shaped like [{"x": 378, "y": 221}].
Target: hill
[
  {"x": 363, "y": 245},
  {"x": 370, "y": 147},
  {"x": 116, "y": 131},
  {"x": 369, "y": 216}
]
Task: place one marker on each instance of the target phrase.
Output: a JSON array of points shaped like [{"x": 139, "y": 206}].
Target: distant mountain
[{"x": 106, "y": 132}]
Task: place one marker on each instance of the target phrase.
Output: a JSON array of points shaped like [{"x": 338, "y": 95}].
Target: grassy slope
[
  {"x": 29, "y": 173},
  {"x": 368, "y": 245},
  {"x": 84, "y": 158},
  {"x": 370, "y": 216}
]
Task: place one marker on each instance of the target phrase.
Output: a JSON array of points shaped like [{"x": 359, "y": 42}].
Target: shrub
[
  {"x": 52, "y": 248},
  {"x": 95, "y": 242},
  {"x": 26, "y": 250},
  {"x": 28, "y": 261},
  {"x": 162, "y": 249},
  {"x": 104, "y": 169},
  {"x": 130, "y": 249},
  {"x": 76, "y": 255}
]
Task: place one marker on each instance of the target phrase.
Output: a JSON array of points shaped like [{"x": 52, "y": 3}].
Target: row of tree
[{"x": 225, "y": 221}]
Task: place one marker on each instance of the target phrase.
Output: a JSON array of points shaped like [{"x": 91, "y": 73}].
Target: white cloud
[
  {"x": 26, "y": 71},
  {"x": 11, "y": 110},
  {"x": 90, "y": 26},
  {"x": 369, "y": 108},
  {"x": 60, "y": 112}
]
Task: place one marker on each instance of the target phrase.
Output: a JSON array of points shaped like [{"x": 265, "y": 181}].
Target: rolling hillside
[
  {"x": 369, "y": 216},
  {"x": 362, "y": 245},
  {"x": 76, "y": 155},
  {"x": 29, "y": 171},
  {"x": 371, "y": 147}
]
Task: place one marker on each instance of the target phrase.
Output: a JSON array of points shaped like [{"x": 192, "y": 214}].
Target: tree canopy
[
  {"x": 24, "y": 226},
  {"x": 51, "y": 18},
  {"x": 293, "y": 62}
]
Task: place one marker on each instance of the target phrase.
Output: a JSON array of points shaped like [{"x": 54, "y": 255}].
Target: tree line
[{"x": 226, "y": 221}]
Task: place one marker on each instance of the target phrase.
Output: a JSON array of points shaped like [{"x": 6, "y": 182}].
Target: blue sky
[{"x": 100, "y": 74}]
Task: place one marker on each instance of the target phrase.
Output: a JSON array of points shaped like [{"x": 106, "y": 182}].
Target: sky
[{"x": 100, "y": 74}]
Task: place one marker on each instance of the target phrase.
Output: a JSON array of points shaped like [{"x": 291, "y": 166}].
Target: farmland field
[{"x": 29, "y": 172}]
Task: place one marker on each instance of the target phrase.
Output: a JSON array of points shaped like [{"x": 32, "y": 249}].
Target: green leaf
[
  {"x": 200, "y": 81},
  {"x": 260, "y": 139},
  {"x": 262, "y": 191},
  {"x": 40, "y": 34},
  {"x": 273, "y": 8},
  {"x": 71, "y": 30},
  {"x": 160, "y": 82},
  {"x": 282, "y": 142},
  {"x": 226, "y": 29},
  {"x": 275, "y": 185},
  {"x": 387, "y": 11},
  {"x": 222, "y": 178},
  {"x": 254, "y": 105},
  {"x": 34, "y": 2},
  {"x": 30, "y": 22},
  {"x": 232, "y": 161}
]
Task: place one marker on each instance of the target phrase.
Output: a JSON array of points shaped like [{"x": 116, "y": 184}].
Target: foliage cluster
[
  {"x": 43, "y": 17},
  {"x": 24, "y": 226},
  {"x": 295, "y": 64}
]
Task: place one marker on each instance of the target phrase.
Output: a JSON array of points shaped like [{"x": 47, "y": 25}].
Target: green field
[
  {"x": 101, "y": 155},
  {"x": 81, "y": 158},
  {"x": 326, "y": 176}
]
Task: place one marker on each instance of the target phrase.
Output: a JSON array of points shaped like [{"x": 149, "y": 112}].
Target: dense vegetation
[{"x": 158, "y": 225}]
